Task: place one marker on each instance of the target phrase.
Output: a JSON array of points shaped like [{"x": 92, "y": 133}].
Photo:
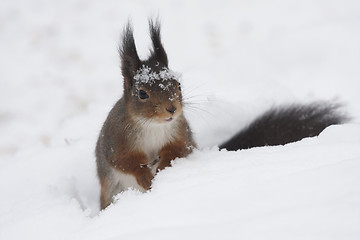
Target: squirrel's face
[{"x": 155, "y": 95}]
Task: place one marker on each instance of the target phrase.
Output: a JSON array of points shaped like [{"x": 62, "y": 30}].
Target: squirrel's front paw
[
  {"x": 144, "y": 178},
  {"x": 162, "y": 165}
]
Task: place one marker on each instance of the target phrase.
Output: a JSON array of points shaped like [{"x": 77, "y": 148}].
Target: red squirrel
[{"x": 146, "y": 129}]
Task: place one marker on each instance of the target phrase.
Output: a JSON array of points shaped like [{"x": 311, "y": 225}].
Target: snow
[
  {"x": 60, "y": 77},
  {"x": 146, "y": 76}
]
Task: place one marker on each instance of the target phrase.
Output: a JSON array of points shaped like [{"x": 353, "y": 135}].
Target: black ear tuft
[
  {"x": 130, "y": 61},
  {"x": 158, "y": 52}
]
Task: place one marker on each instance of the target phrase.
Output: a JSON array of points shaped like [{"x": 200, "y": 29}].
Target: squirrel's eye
[
  {"x": 179, "y": 87},
  {"x": 143, "y": 94}
]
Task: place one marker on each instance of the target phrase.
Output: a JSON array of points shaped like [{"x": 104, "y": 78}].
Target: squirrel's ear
[
  {"x": 130, "y": 61},
  {"x": 158, "y": 52}
]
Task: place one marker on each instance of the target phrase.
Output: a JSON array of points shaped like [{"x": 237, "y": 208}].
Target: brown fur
[
  {"x": 131, "y": 162},
  {"x": 139, "y": 130},
  {"x": 171, "y": 151},
  {"x": 104, "y": 202}
]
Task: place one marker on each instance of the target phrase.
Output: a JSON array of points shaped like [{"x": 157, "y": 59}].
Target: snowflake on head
[{"x": 146, "y": 76}]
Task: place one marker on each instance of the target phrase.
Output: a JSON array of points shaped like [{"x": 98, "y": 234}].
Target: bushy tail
[{"x": 282, "y": 125}]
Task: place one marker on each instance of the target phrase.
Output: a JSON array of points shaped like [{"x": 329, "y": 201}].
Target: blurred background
[{"x": 60, "y": 72}]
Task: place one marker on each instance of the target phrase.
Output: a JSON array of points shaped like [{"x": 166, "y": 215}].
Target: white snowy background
[{"x": 60, "y": 75}]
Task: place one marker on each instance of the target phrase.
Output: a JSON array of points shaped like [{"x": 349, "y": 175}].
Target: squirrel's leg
[
  {"x": 106, "y": 194},
  {"x": 171, "y": 151},
  {"x": 133, "y": 163}
]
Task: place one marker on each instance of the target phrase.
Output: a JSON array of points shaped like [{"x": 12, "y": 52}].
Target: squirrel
[{"x": 146, "y": 129}]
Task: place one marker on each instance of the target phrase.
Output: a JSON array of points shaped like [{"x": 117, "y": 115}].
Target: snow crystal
[{"x": 146, "y": 76}]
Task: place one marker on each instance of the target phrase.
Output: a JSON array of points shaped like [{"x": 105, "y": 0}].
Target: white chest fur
[{"x": 153, "y": 136}]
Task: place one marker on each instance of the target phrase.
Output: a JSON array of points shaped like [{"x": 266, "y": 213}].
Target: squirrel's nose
[{"x": 171, "y": 109}]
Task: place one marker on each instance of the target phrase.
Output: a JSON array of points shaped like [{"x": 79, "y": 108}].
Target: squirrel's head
[{"x": 151, "y": 90}]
